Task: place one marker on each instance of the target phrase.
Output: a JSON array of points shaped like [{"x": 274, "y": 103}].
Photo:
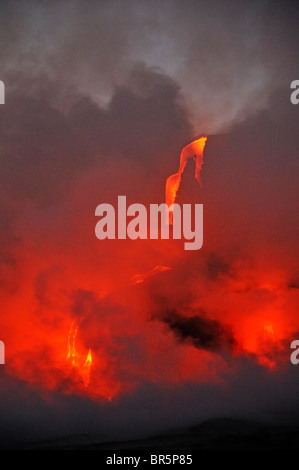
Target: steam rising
[{"x": 226, "y": 57}]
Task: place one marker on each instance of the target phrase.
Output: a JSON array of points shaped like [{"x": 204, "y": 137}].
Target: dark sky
[{"x": 101, "y": 97}]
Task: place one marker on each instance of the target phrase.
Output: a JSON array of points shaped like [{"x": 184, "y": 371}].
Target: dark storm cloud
[{"x": 202, "y": 332}]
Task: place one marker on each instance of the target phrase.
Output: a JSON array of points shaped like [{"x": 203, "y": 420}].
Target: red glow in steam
[{"x": 81, "y": 322}]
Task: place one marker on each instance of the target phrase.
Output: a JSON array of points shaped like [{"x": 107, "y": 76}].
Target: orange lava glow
[
  {"x": 87, "y": 317},
  {"x": 195, "y": 150}
]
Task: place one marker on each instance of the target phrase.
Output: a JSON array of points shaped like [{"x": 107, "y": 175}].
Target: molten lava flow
[
  {"x": 87, "y": 367},
  {"x": 88, "y": 361},
  {"x": 195, "y": 150},
  {"x": 72, "y": 355}
]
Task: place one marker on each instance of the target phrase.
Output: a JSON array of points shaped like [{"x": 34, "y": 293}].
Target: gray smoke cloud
[{"x": 227, "y": 57}]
